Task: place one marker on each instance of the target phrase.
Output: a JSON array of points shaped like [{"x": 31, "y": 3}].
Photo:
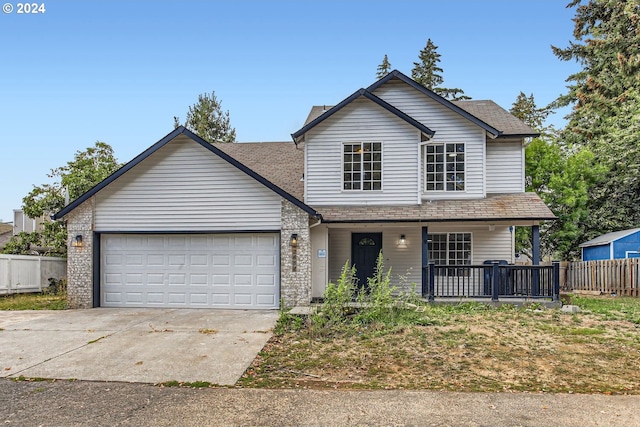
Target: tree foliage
[
  {"x": 428, "y": 73},
  {"x": 561, "y": 178},
  {"x": 87, "y": 169},
  {"x": 206, "y": 119},
  {"x": 384, "y": 68},
  {"x": 605, "y": 115},
  {"x": 525, "y": 109}
]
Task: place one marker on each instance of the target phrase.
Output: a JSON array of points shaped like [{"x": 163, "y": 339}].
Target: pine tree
[
  {"x": 525, "y": 109},
  {"x": 207, "y": 120},
  {"x": 384, "y": 68},
  {"x": 428, "y": 73}
]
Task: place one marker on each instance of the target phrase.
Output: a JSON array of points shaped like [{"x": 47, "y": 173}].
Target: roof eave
[
  {"x": 211, "y": 147},
  {"x": 299, "y": 135},
  {"x": 493, "y": 132}
]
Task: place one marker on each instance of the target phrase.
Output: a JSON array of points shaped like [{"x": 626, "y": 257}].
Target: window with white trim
[
  {"x": 362, "y": 166},
  {"x": 450, "y": 248},
  {"x": 444, "y": 167}
]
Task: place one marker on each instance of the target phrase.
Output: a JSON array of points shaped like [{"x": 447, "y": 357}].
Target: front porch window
[
  {"x": 444, "y": 168},
  {"x": 450, "y": 249},
  {"x": 362, "y": 166}
]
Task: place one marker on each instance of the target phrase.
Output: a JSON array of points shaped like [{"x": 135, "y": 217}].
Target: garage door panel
[{"x": 220, "y": 270}]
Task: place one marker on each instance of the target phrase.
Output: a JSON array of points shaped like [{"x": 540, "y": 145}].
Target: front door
[{"x": 365, "y": 248}]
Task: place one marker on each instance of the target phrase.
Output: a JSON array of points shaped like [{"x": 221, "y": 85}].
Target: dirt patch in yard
[{"x": 464, "y": 348}]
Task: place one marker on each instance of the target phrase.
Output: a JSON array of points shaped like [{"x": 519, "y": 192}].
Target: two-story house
[{"x": 393, "y": 168}]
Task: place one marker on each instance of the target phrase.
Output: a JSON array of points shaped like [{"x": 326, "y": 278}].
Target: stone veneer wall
[
  {"x": 80, "y": 259},
  {"x": 295, "y": 286}
]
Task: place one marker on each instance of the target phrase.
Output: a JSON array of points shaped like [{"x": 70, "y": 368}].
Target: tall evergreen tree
[
  {"x": 207, "y": 120},
  {"x": 605, "y": 99},
  {"x": 525, "y": 109},
  {"x": 428, "y": 73},
  {"x": 384, "y": 68}
]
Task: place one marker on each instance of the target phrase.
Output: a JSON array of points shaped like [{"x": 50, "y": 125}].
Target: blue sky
[{"x": 118, "y": 71}]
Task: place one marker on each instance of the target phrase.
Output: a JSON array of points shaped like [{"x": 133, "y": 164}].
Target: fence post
[
  {"x": 432, "y": 281},
  {"x": 495, "y": 278},
  {"x": 556, "y": 280}
]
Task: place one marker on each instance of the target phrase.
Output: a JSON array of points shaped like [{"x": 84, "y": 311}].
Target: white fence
[{"x": 24, "y": 273}]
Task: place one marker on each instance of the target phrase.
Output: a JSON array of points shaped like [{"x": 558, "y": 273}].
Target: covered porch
[{"x": 439, "y": 250}]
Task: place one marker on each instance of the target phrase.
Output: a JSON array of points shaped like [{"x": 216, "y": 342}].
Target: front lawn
[
  {"x": 33, "y": 302},
  {"x": 467, "y": 347}
]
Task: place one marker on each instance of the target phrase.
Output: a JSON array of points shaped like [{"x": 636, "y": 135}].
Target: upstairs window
[
  {"x": 444, "y": 168},
  {"x": 362, "y": 166}
]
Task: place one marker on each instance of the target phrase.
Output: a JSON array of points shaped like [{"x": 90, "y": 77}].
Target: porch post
[
  {"x": 535, "y": 244},
  {"x": 556, "y": 280},
  {"x": 535, "y": 250},
  {"x": 425, "y": 261}
]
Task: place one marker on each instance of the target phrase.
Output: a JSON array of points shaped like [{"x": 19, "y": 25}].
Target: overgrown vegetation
[
  {"x": 52, "y": 298},
  {"x": 463, "y": 347},
  {"x": 33, "y": 302}
]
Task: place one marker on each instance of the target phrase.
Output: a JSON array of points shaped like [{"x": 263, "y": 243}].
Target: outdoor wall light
[
  {"x": 294, "y": 240},
  {"x": 403, "y": 239},
  {"x": 77, "y": 242}
]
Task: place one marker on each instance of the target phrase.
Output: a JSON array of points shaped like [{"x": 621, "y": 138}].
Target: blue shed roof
[{"x": 605, "y": 239}]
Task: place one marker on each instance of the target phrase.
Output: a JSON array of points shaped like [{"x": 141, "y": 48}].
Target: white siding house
[{"x": 392, "y": 170}]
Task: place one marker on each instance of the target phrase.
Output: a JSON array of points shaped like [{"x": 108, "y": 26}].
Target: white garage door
[{"x": 197, "y": 270}]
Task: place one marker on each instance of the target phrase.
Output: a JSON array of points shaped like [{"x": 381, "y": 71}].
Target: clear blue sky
[{"x": 118, "y": 71}]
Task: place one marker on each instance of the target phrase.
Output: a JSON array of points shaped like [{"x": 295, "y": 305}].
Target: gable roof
[
  {"x": 485, "y": 113},
  {"x": 211, "y": 147},
  {"x": 298, "y": 136},
  {"x": 608, "y": 238}
]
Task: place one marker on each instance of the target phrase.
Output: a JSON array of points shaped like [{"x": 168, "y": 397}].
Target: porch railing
[{"x": 492, "y": 281}]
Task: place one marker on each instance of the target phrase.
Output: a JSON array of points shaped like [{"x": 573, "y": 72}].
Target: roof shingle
[{"x": 499, "y": 207}]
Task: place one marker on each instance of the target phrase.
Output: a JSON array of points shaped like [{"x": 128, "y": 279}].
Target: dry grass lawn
[{"x": 470, "y": 347}]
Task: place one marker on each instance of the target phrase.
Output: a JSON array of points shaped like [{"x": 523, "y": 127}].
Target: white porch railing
[{"x": 25, "y": 273}]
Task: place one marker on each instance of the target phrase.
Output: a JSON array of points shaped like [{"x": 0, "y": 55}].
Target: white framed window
[
  {"x": 444, "y": 167},
  {"x": 362, "y": 166},
  {"x": 450, "y": 248}
]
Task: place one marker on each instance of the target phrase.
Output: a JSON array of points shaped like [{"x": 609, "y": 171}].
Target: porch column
[
  {"x": 535, "y": 244},
  {"x": 425, "y": 261},
  {"x": 535, "y": 252}
]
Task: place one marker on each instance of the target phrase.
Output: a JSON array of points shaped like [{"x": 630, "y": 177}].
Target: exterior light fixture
[
  {"x": 294, "y": 240},
  {"x": 403, "y": 239},
  {"x": 77, "y": 242}
]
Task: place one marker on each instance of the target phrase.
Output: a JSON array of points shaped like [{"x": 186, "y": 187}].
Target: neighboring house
[
  {"x": 22, "y": 222},
  {"x": 392, "y": 168},
  {"x": 616, "y": 245}
]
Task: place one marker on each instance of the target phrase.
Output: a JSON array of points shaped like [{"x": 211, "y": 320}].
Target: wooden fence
[
  {"x": 620, "y": 276},
  {"x": 26, "y": 273}
]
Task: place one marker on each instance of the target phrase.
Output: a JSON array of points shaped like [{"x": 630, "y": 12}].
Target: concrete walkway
[{"x": 133, "y": 345}]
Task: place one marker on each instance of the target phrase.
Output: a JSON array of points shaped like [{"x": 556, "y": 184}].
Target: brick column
[
  {"x": 80, "y": 258},
  {"x": 295, "y": 263}
]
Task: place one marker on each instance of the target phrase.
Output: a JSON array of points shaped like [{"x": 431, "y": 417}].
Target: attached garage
[
  {"x": 190, "y": 270},
  {"x": 186, "y": 224}
]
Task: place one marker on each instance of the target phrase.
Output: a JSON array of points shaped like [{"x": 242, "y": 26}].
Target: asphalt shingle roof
[
  {"x": 282, "y": 163},
  {"x": 519, "y": 206}
]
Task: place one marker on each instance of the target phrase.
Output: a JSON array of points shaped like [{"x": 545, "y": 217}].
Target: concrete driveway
[{"x": 133, "y": 345}]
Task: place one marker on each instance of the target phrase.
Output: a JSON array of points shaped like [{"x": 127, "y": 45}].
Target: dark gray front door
[{"x": 365, "y": 248}]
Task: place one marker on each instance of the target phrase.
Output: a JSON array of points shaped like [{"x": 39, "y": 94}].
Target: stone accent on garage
[
  {"x": 80, "y": 259},
  {"x": 295, "y": 286}
]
